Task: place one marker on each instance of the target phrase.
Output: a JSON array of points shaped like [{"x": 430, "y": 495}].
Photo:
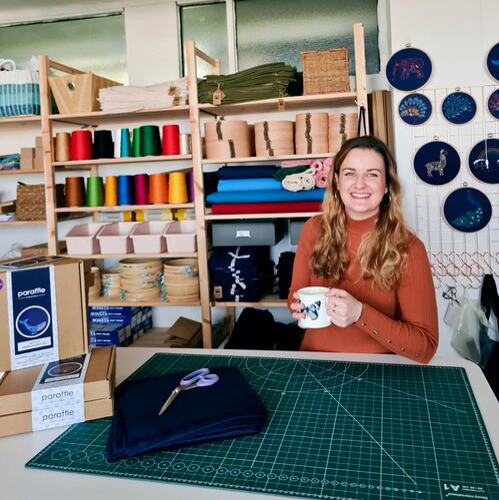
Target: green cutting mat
[{"x": 336, "y": 430}]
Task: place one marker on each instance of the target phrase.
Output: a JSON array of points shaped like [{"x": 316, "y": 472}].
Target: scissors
[{"x": 197, "y": 378}]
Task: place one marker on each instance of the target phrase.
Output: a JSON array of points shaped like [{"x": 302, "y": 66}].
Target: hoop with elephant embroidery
[
  {"x": 437, "y": 163},
  {"x": 408, "y": 69}
]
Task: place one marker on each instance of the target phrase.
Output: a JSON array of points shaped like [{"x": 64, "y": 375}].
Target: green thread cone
[
  {"x": 95, "y": 192},
  {"x": 150, "y": 142}
]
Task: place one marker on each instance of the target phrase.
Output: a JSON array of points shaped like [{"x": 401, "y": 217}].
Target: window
[
  {"x": 279, "y": 30},
  {"x": 96, "y": 44},
  {"x": 206, "y": 25}
]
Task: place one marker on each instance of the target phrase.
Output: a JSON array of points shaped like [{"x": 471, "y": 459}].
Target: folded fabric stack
[
  {"x": 241, "y": 274},
  {"x": 304, "y": 175},
  {"x": 227, "y": 409},
  {"x": 261, "y": 82},
  {"x": 127, "y": 98},
  {"x": 257, "y": 189}
]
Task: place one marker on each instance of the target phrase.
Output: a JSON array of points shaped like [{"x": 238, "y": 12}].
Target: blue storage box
[{"x": 19, "y": 93}]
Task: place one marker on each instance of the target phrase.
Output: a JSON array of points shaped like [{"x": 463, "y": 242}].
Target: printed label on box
[
  {"x": 58, "y": 396},
  {"x": 32, "y": 317}
]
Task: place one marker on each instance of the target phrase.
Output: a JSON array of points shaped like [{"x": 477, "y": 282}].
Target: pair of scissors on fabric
[{"x": 197, "y": 378}]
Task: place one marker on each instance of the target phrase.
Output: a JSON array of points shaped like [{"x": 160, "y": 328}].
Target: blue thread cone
[
  {"x": 125, "y": 190},
  {"x": 126, "y": 145}
]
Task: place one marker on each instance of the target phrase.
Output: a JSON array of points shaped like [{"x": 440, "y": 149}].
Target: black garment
[{"x": 285, "y": 273}]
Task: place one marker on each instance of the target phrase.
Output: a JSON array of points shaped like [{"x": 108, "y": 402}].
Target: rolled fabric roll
[
  {"x": 295, "y": 163},
  {"x": 317, "y": 166},
  {"x": 299, "y": 182},
  {"x": 320, "y": 179}
]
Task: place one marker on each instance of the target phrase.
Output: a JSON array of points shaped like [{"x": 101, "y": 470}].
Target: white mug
[{"x": 314, "y": 299}]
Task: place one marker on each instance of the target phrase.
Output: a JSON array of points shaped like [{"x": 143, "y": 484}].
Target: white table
[{"x": 20, "y": 483}]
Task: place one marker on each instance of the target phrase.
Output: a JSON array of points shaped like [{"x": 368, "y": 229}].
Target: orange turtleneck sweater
[{"x": 402, "y": 321}]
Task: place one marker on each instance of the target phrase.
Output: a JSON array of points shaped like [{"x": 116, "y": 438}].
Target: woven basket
[
  {"x": 325, "y": 72},
  {"x": 30, "y": 203}
]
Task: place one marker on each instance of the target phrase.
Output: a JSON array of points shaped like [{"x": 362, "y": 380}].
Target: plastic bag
[{"x": 466, "y": 335}]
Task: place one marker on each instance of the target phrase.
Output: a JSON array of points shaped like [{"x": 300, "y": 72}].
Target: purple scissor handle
[{"x": 197, "y": 378}]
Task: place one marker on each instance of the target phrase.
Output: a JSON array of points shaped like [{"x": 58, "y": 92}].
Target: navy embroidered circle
[
  {"x": 408, "y": 69},
  {"x": 493, "y": 104},
  {"x": 437, "y": 163},
  {"x": 459, "y": 108},
  {"x": 415, "y": 109},
  {"x": 67, "y": 368},
  {"x": 493, "y": 61},
  {"x": 484, "y": 161},
  {"x": 467, "y": 210},
  {"x": 32, "y": 322}
]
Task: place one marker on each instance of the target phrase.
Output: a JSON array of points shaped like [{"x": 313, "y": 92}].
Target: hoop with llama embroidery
[{"x": 437, "y": 163}]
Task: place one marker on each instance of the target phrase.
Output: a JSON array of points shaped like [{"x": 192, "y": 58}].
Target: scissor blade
[{"x": 168, "y": 402}]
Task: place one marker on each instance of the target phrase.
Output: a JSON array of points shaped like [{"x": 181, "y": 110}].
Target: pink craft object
[
  {"x": 327, "y": 165},
  {"x": 320, "y": 179},
  {"x": 295, "y": 163},
  {"x": 317, "y": 166}
]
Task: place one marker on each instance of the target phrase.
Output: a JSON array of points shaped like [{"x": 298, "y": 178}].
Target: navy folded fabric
[
  {"x": 247, "y": 172},
  {"x": 227, "y": 409}
]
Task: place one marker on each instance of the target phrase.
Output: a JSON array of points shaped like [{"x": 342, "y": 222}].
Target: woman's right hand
[{"x": 297, "y": 307}]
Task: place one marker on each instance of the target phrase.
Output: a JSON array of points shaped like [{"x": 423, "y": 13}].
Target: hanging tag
[
  {"x": 218, "y": 95},
  {"x": 217, "y": 292},
  {"x": 280, "y": 104}
]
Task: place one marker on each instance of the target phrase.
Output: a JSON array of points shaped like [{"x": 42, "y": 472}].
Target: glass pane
[
  {"x": 282, "y": 29},
  {"x": 206, "y": 24},
  {"x": 95, "y": 44}
]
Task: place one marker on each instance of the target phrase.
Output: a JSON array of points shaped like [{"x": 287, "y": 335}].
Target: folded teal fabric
[
  {"x": 249, "y": 184},
  {"x": 265, "y": 196},
  {"x": 227, "y": 409}
]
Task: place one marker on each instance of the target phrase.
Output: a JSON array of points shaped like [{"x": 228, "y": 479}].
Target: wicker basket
[
  {"x": 30, "y": 203},
  {"x": 325, "y": 72}
]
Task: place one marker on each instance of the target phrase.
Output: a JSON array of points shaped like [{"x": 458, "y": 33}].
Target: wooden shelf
[
  {"x": 290, "y": 103},
  {"x": 19, "y": 120},
  {"x": 132, "y": 256},
  {"x": 97, "y": 116},
  {"x": 289, "y": 215},
  {"x": 249, "y": 159},
  {"x": 123, "y": 208},
  {"x": 105, "y": 301},
  {"x": 267, "y": 301},
  {"x": 20, "y": 172},
  {"x": 23, "y": 223},
  {"x": 119, "y": 161}
]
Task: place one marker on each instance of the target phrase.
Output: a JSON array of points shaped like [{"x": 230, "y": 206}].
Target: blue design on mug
[
  {"x": 312, "y": 311},
  {"x": 33, "y": 322}
]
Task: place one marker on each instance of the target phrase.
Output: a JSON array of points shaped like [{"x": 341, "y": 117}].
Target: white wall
[{"x": 456, "y": 35}]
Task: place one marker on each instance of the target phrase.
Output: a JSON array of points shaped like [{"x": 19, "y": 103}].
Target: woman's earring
[
  {"x": 387, "y": 199},
  {"x": 336, "y": 195}
]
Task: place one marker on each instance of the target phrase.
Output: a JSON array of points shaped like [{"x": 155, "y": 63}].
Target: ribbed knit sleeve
[{"x": 415, "y": 334}]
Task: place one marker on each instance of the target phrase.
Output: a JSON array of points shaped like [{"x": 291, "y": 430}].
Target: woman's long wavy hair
[{"x": 383, "y": 251}]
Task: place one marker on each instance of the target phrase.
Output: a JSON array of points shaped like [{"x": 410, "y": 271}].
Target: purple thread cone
[{"x": 141, "y": 189}]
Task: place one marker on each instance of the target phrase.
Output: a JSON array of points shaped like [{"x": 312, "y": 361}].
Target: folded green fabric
[
  {"x": 284, "y": 172},
  {"x": 261, "y": 82}
]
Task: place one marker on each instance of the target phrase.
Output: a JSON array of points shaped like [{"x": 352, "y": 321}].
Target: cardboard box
[
  {"x": 38, "y": 159},
  {"x": 27, "y": 158},
  {"x": 70, "y": 303},
  {"x": 15, "y": 392},
  {"x": 41, "y": 249},
  {"x": 183, "y": 333}
]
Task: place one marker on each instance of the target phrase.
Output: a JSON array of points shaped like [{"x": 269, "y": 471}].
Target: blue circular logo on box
[
  {"x": 459, "y": 108},
  {"x": 408, "y": 69},
  {"x": 415, "y": 109},
  {"x": 467, "y": 210},
  {"x": 33, "y": 322},
  {"x": 437, "y": 163}
]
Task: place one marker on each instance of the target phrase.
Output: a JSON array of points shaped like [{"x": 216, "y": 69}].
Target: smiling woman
[{"x": 381, "y": 296}]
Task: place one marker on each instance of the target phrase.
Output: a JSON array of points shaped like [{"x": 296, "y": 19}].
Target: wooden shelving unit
[
  {"x": 20, "y": 172},
  {"x": 131, "y": 256},
  {"x": 23, "y": 223},
  {"x": 105, "y": 301},
  {"x": 194, "y": 161}
]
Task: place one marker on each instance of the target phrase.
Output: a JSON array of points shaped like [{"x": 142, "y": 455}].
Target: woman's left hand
[{"x": 343, "y": 309}]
